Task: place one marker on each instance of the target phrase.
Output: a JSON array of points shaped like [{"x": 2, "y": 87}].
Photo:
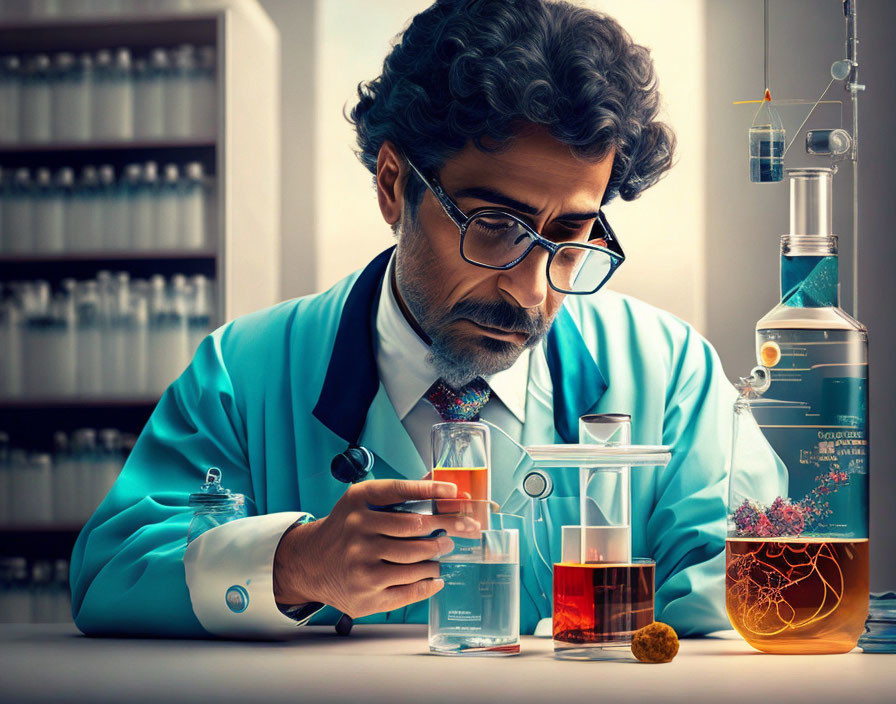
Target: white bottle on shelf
[
  {"x": 48, "y": 214},
  {"x": 109, "y": 462},
  {"x": 17, "y": 211},
  {"x": 15, "y": 599},
  {"x": 34, "y": 114},
  {"x": 85, "y": 213},
  {"x": 204, "y": 107},
  {"x": 71, "y": 97},
  {"x": 89, "y": 340},
  {"x": 201, "y": 310},
  {"x": 167, "y": 207},
  {"x": 84, "y": 455},
  {"x": 37, "y": 340},
  {"x": 65, "y": 483},
  {"x": 63, "y": 341},
  {"x": 63, "y": 592},
  {"x": 116, "y": 337},
  {"x": 178, "y": 96},
  {"x": 116, "y": 237},
  {"x": 10, "y": 90},
  {"x": 31, "y": 486},
  {"x": 113, "y": 96},
  {"x": 43, "y": 593},
  {"x": 143, "y": 184},
  {"x": 167, "y": 334},
  {"x": 10, "y": 349},
  {"x": 138, "y": 342},
  {"x": 193, "y": 208},
  {"x": 150, "y": 80}
]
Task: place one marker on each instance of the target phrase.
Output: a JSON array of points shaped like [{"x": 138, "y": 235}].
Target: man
[{"x": 496, "y": 132}]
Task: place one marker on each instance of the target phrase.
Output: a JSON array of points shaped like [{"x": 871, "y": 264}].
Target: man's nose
[{"x": 527, "y": 282}]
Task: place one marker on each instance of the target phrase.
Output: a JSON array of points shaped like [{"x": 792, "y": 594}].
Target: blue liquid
[
  {"x": 766, "y": 154},
  {"x": 824, "y": 443},
  {"x": 478, "y": 609}
]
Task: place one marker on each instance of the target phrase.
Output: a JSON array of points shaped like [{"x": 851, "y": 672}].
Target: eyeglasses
[{"x": 497, "y": 239}]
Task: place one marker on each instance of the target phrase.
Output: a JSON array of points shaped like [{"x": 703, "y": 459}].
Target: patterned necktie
[{"x": 462, "y": 404}]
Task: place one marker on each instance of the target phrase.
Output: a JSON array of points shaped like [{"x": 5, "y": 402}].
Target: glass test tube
[{"x": 604, "y": 498}]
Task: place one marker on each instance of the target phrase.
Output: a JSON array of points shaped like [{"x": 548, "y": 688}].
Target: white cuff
[{"x": 230, "y": 575}]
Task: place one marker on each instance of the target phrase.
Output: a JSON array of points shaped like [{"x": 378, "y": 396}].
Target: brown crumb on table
[{"x": 657, "y": 642}]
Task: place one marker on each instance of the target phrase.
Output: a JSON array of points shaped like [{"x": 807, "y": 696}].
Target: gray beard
[{"x": 455, "y": 358}]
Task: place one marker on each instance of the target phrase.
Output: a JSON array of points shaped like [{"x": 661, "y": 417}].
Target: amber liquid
[
  {"x": 791, "y": 596},
  {"x": 470, "y": 480},
  {"x": 601, "y": 603}
]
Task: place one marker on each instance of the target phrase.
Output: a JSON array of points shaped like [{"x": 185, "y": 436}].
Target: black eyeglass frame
[{"x": 600, "y": 230}]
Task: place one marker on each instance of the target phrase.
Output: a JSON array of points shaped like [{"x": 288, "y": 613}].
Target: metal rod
[
  {"x": 852, "y": 85},
  {"x": 765, "y": 55}
]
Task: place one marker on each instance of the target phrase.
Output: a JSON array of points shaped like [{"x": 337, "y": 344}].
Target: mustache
[{"x": 499, "y": 314}]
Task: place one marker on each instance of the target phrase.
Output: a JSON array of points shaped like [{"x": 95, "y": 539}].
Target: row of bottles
[
  {"x": 36, "y": 592},
  {"x": 137, "y": 209},
  {"x": 108, "y": 95},
  {"x": 62, "y": 488},
  {"x": 109, "y": 337}
]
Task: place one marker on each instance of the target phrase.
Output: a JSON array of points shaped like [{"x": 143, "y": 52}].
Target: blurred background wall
[{"x": 703, "y": 243}]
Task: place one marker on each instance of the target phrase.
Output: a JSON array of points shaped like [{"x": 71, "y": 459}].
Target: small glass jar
[{"x": 213, "y": 505}]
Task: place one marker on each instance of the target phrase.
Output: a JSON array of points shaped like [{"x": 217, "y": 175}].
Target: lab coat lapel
[
  {"x": 395, "y": 455},
  {"x": 577, "y": 382},
  {"x": 352, "y": 382}
]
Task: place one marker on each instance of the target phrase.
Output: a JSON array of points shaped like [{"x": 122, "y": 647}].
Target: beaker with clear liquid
[{"x": 477, "y": 612}]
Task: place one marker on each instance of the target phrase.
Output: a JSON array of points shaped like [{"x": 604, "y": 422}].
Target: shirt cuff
[{"x": 230, "y": 575}]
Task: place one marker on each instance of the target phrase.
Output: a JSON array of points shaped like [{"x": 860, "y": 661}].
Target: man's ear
[{"x": 391, "y": 175}]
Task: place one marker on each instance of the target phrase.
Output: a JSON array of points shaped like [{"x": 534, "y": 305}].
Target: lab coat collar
[
  {"x": 577, "y": 380},
  {"x": 352, "y": 382}
]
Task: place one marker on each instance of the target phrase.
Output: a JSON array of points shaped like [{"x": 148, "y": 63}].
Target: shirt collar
[{"x": 407, "y": 373}]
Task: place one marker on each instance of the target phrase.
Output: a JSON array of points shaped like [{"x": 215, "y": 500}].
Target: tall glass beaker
[
  {"x": 600, "y": 594},
  {"x": 797, "y": 561},
  {"x": 477, "y": 612}
]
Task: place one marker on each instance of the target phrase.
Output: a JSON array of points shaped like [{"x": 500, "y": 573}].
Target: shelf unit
[{"x": 243, "y": 157}]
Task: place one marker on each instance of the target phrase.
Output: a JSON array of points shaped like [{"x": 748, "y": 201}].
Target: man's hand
[{"x": 362, "y": 561}]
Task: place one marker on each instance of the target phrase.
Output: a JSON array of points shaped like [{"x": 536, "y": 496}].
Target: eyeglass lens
[{"x": 496, "y": 240}]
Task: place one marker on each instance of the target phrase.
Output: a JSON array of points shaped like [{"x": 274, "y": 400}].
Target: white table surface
[{"x": 391, "y": 663}]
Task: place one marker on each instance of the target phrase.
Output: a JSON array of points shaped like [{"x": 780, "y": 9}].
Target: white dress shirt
[{"x": 407, "y": 374}]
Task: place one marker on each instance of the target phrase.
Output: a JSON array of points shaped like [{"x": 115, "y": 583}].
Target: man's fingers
[
  {"x": 415, "y": 525},
  {"x": 390, "y": 574},
  {"x": 406, "y": 552},
  {"x": 404, "y": 594},
  {"x": 382, "y": 492}
]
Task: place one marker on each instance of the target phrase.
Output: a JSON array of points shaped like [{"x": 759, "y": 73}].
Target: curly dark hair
[{"x": 478, "y": 69}]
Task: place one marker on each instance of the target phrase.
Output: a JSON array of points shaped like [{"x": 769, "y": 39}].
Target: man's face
[{"x": 480, "y": 320}]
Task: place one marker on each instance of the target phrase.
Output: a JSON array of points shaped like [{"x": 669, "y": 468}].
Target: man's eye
[{"x": 494, "y": 225}]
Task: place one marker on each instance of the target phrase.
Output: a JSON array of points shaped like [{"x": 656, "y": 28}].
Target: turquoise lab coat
[{"x": 271, "y": 397}]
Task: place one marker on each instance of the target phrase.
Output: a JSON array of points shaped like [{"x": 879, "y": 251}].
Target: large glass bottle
[{"x": 797, "y": 555}]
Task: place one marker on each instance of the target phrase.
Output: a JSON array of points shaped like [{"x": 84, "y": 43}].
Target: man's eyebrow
[{"x": 492, "y": 196}]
